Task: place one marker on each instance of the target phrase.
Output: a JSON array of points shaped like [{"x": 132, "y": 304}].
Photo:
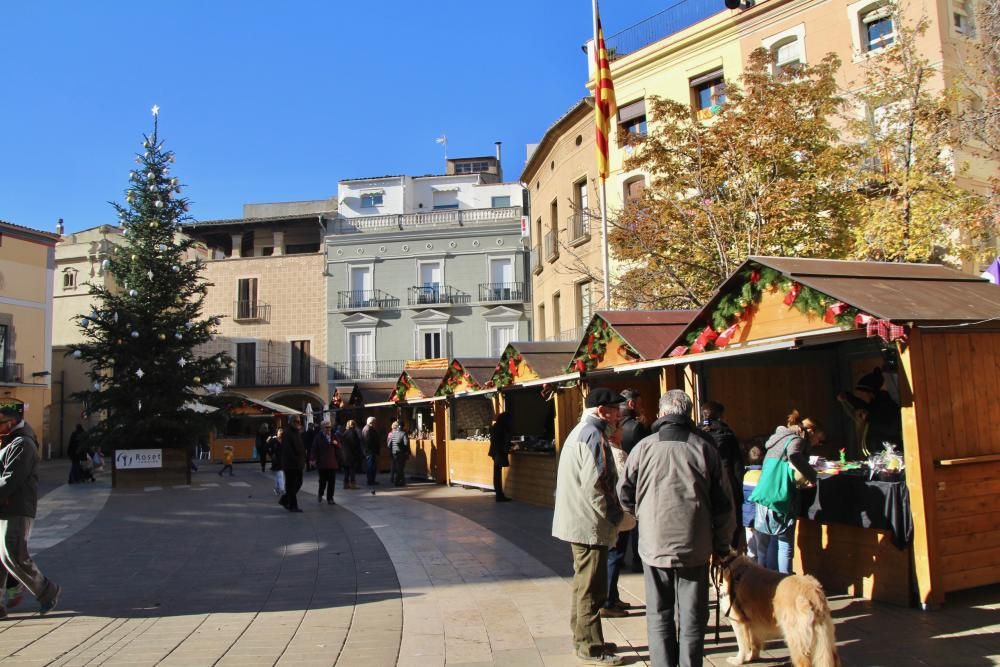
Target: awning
[
  {"x": 273, "y": 407},
  {"x": 200, "y": 408}
]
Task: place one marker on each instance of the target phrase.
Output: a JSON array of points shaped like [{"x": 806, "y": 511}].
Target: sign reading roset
[{"x": 131, "y": 459}]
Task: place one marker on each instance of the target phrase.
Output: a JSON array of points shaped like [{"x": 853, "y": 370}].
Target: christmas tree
[{"x": 142, "y": 335}]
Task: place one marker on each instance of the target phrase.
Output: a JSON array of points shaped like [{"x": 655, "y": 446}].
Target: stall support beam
[{"x": 919, "y": 459}]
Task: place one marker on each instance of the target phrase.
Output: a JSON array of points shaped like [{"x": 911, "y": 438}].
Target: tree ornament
[
  {"x": 189, "y": 325},
  {"x": 175, "y": 268},
  {"x": 182, "y": 362},
  {"x": 135, "y": 258},
  {"x": 196, "y": 379},
  {"x": 158, "y": 203},
  {"x": 177, "y": 189},
  {"x": 151, "y": 187},
  {"x": 173, "y": 181},
  {"x": 154, "y": 224},
  {"x": 84, "y": 322},
  {"x": 178, "y": 335},
  {"x": 132, "y": 292},
  {"x": 97, "y": 386},
  {"x": 106, "y": 264},
  {"x": 161, "y": 336},
  {"x": 150, "y": 274},
  {"x": 170, "y": 157},
  {"x": 146, "y": 155},
  {"x": 160, "y": 247},
  {"x": 150, "y": 175},
  {"x": 139, "y": 403},
  {"x": 139, "y": 373},
  {"x": 77, "y": 354},
  {"x": 115, "y": 317},
  {"x": 134, "y": 334}
]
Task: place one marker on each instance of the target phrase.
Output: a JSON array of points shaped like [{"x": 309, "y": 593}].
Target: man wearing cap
[
  {"x": 587, "y": 514},
  {"x": 18, "y": 502}
]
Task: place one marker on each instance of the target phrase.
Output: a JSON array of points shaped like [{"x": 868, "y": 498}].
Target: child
[
  {"x": 227, "y": 460},
  {"x": 755, "y": 455}
]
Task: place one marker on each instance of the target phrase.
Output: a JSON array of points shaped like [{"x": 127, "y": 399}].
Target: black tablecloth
[{"x": 853, "y": 500}]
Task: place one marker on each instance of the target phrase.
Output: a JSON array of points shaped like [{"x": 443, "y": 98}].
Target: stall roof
[
  {"x": 649, "y": 332},
  {"x": 373, "y": 391},
  {"x": 481, "y": 369},
  {"x": 547, "y": 358},
  {"x": 427, "y": 380},
  {"x": 899, "y": 292},
  {"x": 276, "y": 408}
]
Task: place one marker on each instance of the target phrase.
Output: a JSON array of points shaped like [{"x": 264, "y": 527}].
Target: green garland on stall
[
  {"x": 507, "y": 368},
  {"x": 454, "y": 378},
  {"x": 402, "y": 386},
  {"x": 595, "y": 346}
]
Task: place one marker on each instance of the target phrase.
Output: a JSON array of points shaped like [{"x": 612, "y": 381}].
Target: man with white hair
[
  {"x": 371, "y": 439},
  {"x": 673, "y": 483}
]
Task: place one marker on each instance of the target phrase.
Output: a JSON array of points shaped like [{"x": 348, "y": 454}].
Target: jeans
[
  {"x": 590, "y": 591},
  {"x": 371, "y": 467},
  {"x": 616, "y": 558},
  {"x": 327, "y": 482},
  {"x": 688, "y": 587},
  {"x": 14, "y": 534},
  {"x": 775, "y": 552}
]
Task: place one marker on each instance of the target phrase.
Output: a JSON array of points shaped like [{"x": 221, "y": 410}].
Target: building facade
[
  {"x": 566, "y": 261},
  {"x": 78, "y": 265},
  {"x": 266, "y": 271},
  {"x": 27, "y": 274},
  {"x": 425, "y": 267}
]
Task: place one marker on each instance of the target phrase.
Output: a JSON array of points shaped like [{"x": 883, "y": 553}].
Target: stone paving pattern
[{"x": 216, "y": 573}]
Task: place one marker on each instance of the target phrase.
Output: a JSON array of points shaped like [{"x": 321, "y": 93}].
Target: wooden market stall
[
  {"x": 420, "y": 410},
  {"x": 372, "y": 398},
  {"x": 792, "y": 333},
  {"x": 244, "y": 417}
]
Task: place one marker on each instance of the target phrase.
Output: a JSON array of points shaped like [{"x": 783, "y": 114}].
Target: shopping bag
[{"x": 776, "y": 488}]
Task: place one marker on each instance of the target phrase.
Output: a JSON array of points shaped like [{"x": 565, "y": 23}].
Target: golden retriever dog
[{"x": 763, "y": 604}]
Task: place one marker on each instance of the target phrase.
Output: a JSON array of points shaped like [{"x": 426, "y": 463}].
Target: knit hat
[{"x": 871, "y": 382}]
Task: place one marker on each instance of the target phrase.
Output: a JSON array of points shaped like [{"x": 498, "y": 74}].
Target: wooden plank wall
[
  {"x": 469, "y": 462},
  {"x": 956, "y": 398},
  {"x": 531, "y": 478},
  {"x": 771, "y": 317}
]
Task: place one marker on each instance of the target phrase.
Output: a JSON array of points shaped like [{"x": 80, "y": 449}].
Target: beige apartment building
[
  {"x": 78, "y": 265},
  {"x": 27, "y": 263},
  {"x": 267, "y": 272},
  {"x": 566, "y": 263}
]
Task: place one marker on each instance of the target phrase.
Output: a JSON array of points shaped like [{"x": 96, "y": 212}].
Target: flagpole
[{"x": 605, "y": 262}]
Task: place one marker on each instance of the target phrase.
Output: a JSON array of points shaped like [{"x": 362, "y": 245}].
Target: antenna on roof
[{"x": 443, "y": 140}]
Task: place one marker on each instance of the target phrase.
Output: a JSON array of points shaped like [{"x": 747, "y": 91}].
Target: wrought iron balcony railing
[
  {"x": 374, "y": 299},
  {"x": 502, "y": 292},
  {"x": 275, "y": 376},
  {"x": 536, "y": 259},
  {"x": 366, "y": 370},
  {"x": 251, "y": 311},
  {"x": 11, "y": 372},
  {"x": 437, "y": 295},
  {"x": 579, "y": 226}
]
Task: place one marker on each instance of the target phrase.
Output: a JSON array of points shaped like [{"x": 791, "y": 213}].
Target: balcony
[
  {"x": 11, "y": 373},
  {"x": 500, "y": 292},
  {"x": 536, "y": 259},
  {"x": 366, "y": 299},
  {"x": 251, "y": 311},
  {"x": 579, "y": 227},
  {"x": 435, "y": 295},
  {"x": 366, "y": 370},
  {"x": 551, "y": 245},
  {"x": 673, "y": 19},
  {"x": 442, "y": 218},
  {"x": 275, "y": 376}
]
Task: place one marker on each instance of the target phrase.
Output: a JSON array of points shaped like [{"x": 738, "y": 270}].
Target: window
[
  {"x": 430, "y": 343},
  {"x": 69, "y": 278},
  {"x": 787, "y": 55},
  {"x": 962, "y": 18},
  {"x": 246, "y": 299},
  {"x": 632, "y": 120},
  {"x": 361, "y": 353},
  {"x": 540, "y": 323},
  {"x": 584, "y": 302},
  {"x": 4, "y": 331},
  {"x": 556, "y": 319},
  {"x": 471, "y": 167},
  {"x": 371, "y": 199},
  {"x": 246, "y": 363},
  {"x": 499, "y": 202},
  {"x": 633, "y": 189},
  {"x": 877, "y": 29},
  {"x": 445, "y": 200},
  {"x": 300, "y": 362},
  {"x": 708, "y": 94},
  {"x": 430, "y": 276},
  {"x": 500, "y": 336}
]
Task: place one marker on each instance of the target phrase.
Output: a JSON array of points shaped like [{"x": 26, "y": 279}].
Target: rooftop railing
[
  {"x": 444, "y": 218},
  {"x": 673, "y": 19}
]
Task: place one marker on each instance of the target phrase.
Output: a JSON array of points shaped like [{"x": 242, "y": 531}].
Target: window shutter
[{"x": 630, "y": 111}]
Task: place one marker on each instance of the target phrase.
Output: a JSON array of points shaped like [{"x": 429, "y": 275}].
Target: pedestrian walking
[
  {"x": 674, "y": 484},
  {"x": 293, "y": 462},
  {"x": 260, "y": 444},
  {"x": 19, "y": 457},
  {"x": 328, "y": 451},
  {"x": 227, "y": 460},
  {"x": 399, "y": 448},
  {"x": 633, "y": 429},
  {"x": 500, "y": 453},
  {"x": 728, "y": 446},
  {"x": 307, "y": 442},
  {"x": 274, "y": 451},
  {"x": 371, "y": 439},
  {"x": 353, "y": 454},
  {"x": 76, "y": 440},
  {"x": 587, "y": 514}
]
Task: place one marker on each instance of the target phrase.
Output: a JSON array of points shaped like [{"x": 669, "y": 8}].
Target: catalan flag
[{"x": 604, "y": 96}]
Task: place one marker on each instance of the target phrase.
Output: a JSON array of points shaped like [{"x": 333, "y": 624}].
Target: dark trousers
[
  {"x": 399, "y": 469},
  {"x": 327, "y": 482},
  {"x": 75, "y": 472},
  {"x": 225, "y": 467},
  {"x": 262, "y": 455},
  {"x": 688, "y": 588},
  {"x": 371, "y": 466},
  {"x": 498, "y": 479},
  {"x": 590, "y": 591},
  {"x": 14, "y": 534},
  {"x": 293, "y": 482},
  {"x": 634, "y": 538},
  {"x": 616, "y": 558},
  {"x": 348, "y": 475}
]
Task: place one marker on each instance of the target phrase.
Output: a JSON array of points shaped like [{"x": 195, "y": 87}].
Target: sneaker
[
  {"x": 14, "y": 596},
  {"x": 603, "y": 659},
  {"x": 51, "y": 604},
  {"x": 613, "y": 612},
  {"x": 331, "y": 502}
]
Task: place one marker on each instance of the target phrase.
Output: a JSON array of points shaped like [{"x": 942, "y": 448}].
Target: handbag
[{"x": 776, "y": 488}]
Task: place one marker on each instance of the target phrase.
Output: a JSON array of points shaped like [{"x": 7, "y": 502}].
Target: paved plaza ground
[{"x": 217, "y": 573}]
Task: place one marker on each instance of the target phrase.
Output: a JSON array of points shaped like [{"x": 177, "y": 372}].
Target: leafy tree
[
  {"x": 763, "y": 177},
  {"x": 914, "y": 211},
  {"x": 141, "y": 336}
]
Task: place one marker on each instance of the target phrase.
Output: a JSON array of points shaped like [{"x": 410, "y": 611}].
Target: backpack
[{"x": 776, "y": 488}]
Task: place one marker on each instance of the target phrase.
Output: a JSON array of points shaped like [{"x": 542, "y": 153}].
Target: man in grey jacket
[
  {"x": 673, "y": 483},
  {"x": 18, "y": 503},
  {"x": 587, "y": 514}
]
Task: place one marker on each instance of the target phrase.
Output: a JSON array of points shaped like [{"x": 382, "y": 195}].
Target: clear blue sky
[{"x": 274, "y": 101}]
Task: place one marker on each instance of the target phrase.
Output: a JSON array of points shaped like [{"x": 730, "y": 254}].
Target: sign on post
[{"x": 133, "y": 459}]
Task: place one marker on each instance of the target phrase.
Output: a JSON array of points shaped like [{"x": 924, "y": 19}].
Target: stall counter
[{"x": 469, "y": 463}]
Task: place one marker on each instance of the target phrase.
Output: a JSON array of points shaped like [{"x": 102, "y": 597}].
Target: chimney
[
  {"x": 499, "y": 167},
  {"x": 60, "y": 227}
]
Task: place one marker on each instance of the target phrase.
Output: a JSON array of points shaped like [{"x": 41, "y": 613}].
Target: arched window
[{"x": 69, "y": 278}]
